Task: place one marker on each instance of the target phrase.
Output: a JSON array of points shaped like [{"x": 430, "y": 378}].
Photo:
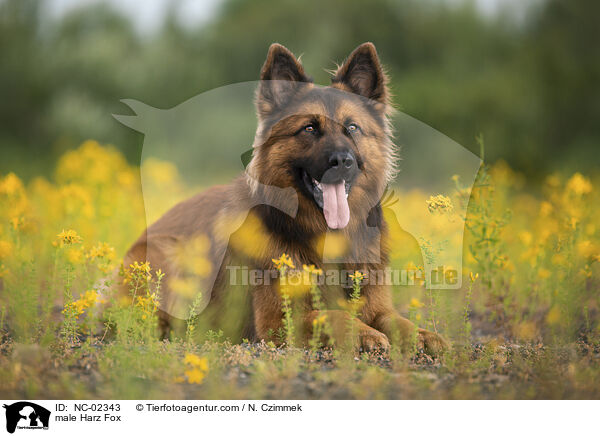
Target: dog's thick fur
[{"x": 287, "y": 102}]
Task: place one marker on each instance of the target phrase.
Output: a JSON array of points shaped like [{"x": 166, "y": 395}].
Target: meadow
[{"x": 525, "y": 324}]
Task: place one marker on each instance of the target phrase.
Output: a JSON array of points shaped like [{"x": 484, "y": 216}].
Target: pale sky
[{"x": 148, "y": 14}]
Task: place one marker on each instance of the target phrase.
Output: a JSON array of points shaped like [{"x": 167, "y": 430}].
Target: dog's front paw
[
  {"x": 430, "y": 342},
  {"x": 371, "y": 340}
]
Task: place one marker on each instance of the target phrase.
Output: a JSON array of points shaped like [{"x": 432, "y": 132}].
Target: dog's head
[{"x": 332, "y": 144}]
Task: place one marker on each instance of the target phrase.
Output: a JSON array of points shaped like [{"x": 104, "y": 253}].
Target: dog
[{"x": 321, "y": 160}]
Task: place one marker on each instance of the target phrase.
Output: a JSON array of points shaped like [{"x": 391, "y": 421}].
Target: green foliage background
[{"x": 531, "y": 86}]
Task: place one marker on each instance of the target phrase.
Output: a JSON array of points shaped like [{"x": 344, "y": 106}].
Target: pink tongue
[{"x": 335, "y": 205}]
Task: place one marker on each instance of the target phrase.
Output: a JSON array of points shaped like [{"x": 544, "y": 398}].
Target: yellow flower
[
  {"x": 357, "y": 277},
  {"x": 284, "y": 260},
  {"x": 439, "y": 203},
  {"x": 543, "y": 273},
  {"x": 198, "y": 367},
  {"x": 545, "y": 208},
  {"x": 101, "y": 250},
  {"x": 192, "y": 359},
  {"x": 473, "y": 277},
  {"x": 196, "y": 361},
  {"x": 586, "y": 249},
  {"x": 194, "y": 376},
  {"x": 6, "y": 249},
  {"x": 78, "y": 307},
  {"x": 525, "y": 237},
  {"x": 579, "y": 185},
  {"x": 572, "y": 222},
  {"x": 91, "y": 297},
  {"x": 295, "y": 283},
  {"x": 311, "y": 269},
  {"x": 17, "y": 222},
  {"x": 319, "y": 320},
  {"x": 136, "y": 272},
  {"x": 415, "y": 303},
  {"x": 68, "y": 237},
  {"x": 140, "y": 269},
  {"x": 11, "y": 185},
  {"x": 74, "y": 255}
]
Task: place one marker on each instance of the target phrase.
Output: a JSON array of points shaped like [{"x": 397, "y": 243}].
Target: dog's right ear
[{"x": 281, "y": 76}]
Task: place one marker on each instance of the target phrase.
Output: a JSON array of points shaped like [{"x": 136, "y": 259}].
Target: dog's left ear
[
  {"x": 281, "y": 77},
  {"x": 363, "y": 74}
]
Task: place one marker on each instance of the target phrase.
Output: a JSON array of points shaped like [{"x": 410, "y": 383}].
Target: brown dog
[{"x": 321, "y": 160}]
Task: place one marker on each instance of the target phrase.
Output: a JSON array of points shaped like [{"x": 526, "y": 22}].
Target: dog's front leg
[
  {"x": 340, "y": 326},
  {"x": 380, "y": 314},
  {"x": 268, "y": 316}
]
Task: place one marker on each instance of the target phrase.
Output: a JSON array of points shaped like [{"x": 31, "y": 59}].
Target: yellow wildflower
[
  {"x": 283, "y": 261},
  {"x": 74, "y": 255},
  {"x": 525, "y": 237},
  {"x": 11, "y": 185},
  {"x": 91, "y": 297},
  {"x": 17, "y": 222},
  {"x": 196, "y": 361},
  {"x": 579, "y": 185},
  {"x": 415, "y": 303},
  {"x": 311, "y": 269},
  {"x": 546, "y": 208},
  {"x": 6, "y": 249},
  {"x": 357, "y": 276},
  {"x": 68, "y": 237},
  {"x": 439, "y": 203},
  {"x": 102, "y": 251},
  {"x": 295, "y": 283},
  {"x": 586, "y": 248},
  {"x": 197, "y": 368},
  {"x": 86, "y": 300},
  {"x": 320, "y": 320},
  {"x": 543, "y": 273},
  {"x": 194, "y": 376}
]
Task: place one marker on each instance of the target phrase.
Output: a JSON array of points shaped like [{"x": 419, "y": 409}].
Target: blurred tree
[{"x": 531, "y": 87}]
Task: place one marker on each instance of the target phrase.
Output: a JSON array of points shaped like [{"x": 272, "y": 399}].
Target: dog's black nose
[
  {"x": 341, "y": 164},
  {"x": 341, "y": 159}
]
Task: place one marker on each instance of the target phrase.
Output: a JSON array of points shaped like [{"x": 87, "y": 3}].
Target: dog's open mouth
[{"x": 332, "y": 198}]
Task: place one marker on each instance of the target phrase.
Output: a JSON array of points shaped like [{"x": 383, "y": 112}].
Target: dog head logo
[
  {"x": 26, "y": 415},
  {"x": 320, "y": 155}
]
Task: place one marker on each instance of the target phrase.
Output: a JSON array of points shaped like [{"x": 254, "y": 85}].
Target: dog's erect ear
[
  {"x": 363, "y": 74},
  {"x": 281, "y": 76}
]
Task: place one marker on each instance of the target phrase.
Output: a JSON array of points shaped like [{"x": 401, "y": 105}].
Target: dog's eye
[
  {"x": 353, "y": 127},
  {"x": 310, "y": 128}
]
